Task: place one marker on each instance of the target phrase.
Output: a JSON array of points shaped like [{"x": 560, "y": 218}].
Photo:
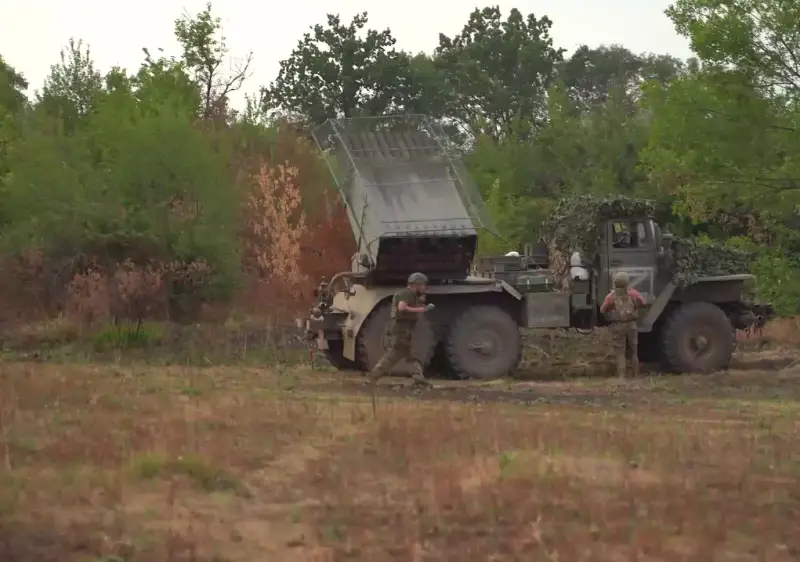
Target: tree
[
  {"x": 757, "y": 37},
  {"x": 12, "y": 103},
  {"x": 342, "y": 70},
  {"x": 496, "y": 72},
  {"x": 74, "y": 86},
  {"x": 164, "y": 84},
  {"x": 12, "y": 89},
  {"x": 204, "y": 51},
  {"x": 726, "y": 151},
  {"x": 724, "y": 137},
  {"x": 591, "y": 74}
]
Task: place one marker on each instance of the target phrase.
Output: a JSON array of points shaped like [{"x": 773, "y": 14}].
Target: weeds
[{"x": 125, "y": 463}]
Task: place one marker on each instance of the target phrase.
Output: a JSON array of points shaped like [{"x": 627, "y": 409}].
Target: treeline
[{"x": 144, "y": 194}]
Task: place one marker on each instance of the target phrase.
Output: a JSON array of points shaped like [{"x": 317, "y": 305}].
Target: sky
[{"x": 32, "y": 32}]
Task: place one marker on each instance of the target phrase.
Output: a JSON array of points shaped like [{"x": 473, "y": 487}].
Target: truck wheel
[
  {"x": 372, "y": 341},
  {"x": 697, "y": 337},
  {"x": 484, "y": 343},
  {"x": 335, "y": 356}
]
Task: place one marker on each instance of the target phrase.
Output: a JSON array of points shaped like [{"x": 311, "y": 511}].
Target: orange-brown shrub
[
  {"x": 275, "y": 228},
  {"x": 138, "y": 292}
]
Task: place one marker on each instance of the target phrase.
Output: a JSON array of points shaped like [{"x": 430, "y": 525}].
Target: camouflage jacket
[{"x": 403, "y": 323}]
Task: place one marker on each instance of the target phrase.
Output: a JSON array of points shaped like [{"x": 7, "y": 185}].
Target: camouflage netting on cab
[
  {"x": 691, "y": 259},
  {"x": 572, "y": 226}
]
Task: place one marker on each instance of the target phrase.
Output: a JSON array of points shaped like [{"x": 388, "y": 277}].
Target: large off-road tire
[
  {"x": 372, "y": 341},
  {"x": 697, "y": 338},
  {"x": 335, "y": 356},
  {"x": 484, "y": 343}
]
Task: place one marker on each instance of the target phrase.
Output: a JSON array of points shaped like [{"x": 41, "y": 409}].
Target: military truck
[{"x": 412, "y": 207}]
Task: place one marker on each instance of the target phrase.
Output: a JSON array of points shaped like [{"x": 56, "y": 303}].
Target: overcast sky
[{"x": 32, "y": 32}]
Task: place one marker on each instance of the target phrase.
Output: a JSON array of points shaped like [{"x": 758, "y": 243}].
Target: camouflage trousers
[
  {"x": 400, "y": 350},
  {"x": 626, "y": 344}
]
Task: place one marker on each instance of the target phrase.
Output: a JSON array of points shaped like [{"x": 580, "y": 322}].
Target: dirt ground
[{"x": 111, "y": 463}]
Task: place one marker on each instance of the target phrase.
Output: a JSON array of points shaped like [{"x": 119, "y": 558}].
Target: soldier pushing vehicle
[
  {"x": 622, "y": 304},
  {"x": 407, "y": 305}
]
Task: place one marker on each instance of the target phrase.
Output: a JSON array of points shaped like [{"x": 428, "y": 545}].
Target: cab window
[{"x": 630, "y": 235}]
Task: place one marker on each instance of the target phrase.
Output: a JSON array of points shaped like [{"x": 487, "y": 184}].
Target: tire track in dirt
[{"x": 760, "y": 370}]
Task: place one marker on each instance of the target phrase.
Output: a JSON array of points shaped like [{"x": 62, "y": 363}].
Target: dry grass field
[{"x": 129, "y": 463}]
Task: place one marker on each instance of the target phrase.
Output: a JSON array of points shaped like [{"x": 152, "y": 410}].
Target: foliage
[
  {"x": 204, "y": 51},
  {"x": 723, "y": 138},
  {"x": 496, "y": 72},
  {"x": 12, "y": 88},
  {"x": 756, "y": 37},
  {"x": 342, "y": 70},
  {"x": 128, "y": 195},
  {"x": 590, "y": 75},
  {"x": 277, "y": 224},
  {"x": 724, "y": 150},
  {"x": 73, "y": 88}
]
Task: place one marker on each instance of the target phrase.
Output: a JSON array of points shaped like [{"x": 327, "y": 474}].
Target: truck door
[{"x": 630, "y": 247}]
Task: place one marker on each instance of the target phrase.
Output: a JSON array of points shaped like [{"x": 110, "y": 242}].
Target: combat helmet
[
  {"x": 417, "y": 278},
  {"x": 621, "y": 279}
]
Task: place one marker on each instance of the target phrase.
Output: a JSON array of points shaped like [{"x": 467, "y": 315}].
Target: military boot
[{"x": 419, "y": 381}]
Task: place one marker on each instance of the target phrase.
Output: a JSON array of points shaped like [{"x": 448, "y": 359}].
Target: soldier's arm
[
  {"x": 608, "y": 303},
  {"x": 637, "y": 296},
  {"x": 404, "y": 306}
]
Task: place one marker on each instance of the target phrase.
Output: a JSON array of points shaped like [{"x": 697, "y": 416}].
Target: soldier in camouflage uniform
[
  {"x": 623, "y": 304},
  {"x": 407, "y": 306}
]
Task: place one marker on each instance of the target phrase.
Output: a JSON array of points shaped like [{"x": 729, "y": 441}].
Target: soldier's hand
[{"x": 429, "y": 307}]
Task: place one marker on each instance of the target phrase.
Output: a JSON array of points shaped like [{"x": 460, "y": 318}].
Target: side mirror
[{"x": 364, "y": 261}]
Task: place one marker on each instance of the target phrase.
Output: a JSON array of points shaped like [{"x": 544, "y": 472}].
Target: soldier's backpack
[{"x": 624, "y": 308}]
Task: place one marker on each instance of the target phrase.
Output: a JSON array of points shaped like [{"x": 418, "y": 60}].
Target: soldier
[
  {"x": 407, "y": 305},
  {"x": 624, "y": 303}
]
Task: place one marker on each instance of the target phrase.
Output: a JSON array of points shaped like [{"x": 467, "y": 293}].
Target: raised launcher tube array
[{"x": 409, "y": 199}]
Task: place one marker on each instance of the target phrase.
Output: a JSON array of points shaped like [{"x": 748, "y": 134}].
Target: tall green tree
[
  {"x": 759, "y": 38},
  {"x": 12, "y": 104},
  {"x": 205, "y": 50},
  {"x": 74, "y": 86},
  {"x": 724, "y": 137},
  {"x": 12, "y": 89},
  {"x": 343, "y": 70},
  {"x": 496, "y": 71},
  {"x": 590, "y": 74}
]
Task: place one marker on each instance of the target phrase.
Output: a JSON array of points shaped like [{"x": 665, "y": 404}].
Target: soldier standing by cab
[
  {"x": 623, "y": 304},
  {"x": 407, "y": 306}
]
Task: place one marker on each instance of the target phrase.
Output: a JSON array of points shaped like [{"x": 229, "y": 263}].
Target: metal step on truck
[{"x": 413, "y": 207}]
